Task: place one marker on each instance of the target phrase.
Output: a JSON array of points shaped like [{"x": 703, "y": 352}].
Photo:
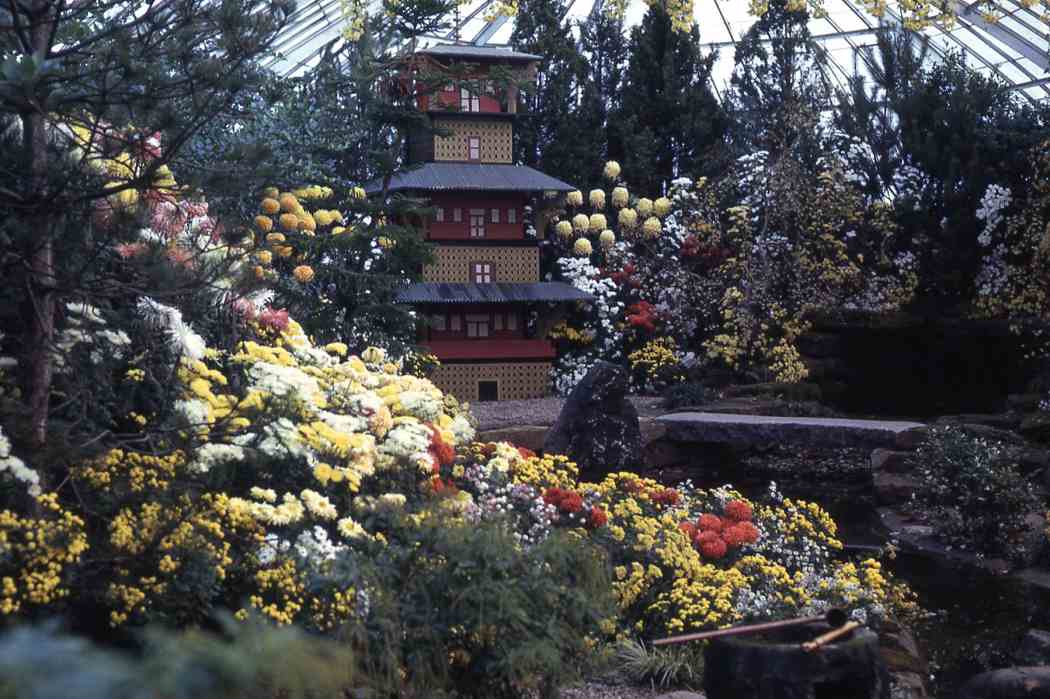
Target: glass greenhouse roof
[{"x": 1016, "y": 48}]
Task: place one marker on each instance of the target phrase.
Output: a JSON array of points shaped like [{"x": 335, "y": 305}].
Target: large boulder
[
  {"x": 1019, "y": 682},
  {"x": 598, "y": 427}
]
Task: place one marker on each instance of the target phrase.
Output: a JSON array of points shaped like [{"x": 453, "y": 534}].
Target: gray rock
[
  {"x": 1036, "y": 427},
  {"x": 528, "y": 436},
  {"x": 1035, "y": 648},
  {"x": 1004, "y": 421},
  {"x": 992, "y": 434},
  {"x": 1010, "y": 683},
  {"x": 803, "y": 431},
  {"x": 911, "y": 439},
  {"x": 907, "y": 685},
  {"x": 1037, "y": 577},
  {"x": 651, "y": 430},
  {"x": 662, "y": 453},
  {"x": 893, "y": 488},
  {"x": 598, "y": 427},
  {"x": 680, "y": 695},
  {"x": 891, "y": 461}
]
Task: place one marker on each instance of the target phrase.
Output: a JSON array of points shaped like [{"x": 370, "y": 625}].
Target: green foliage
[
  {"x": 469, "y": 611},
  {"x": 248, "y": 660},
  {"x": 680, "y": 665},
  {"x": 973, "y": 494}
]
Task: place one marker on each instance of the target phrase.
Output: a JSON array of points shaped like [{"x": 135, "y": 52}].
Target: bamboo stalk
[
  {"x": 826, "y": 638},
  {"x": 834, "y": 617}
]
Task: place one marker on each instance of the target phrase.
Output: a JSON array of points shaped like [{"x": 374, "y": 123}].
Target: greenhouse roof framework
[{"x": 1014, "y": 49}]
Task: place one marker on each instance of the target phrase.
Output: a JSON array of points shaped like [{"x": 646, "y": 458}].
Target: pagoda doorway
[{"x": 488, "y": 391}]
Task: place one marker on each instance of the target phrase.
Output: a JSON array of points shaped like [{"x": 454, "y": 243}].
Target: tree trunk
[{"x": 41, "y": 273}]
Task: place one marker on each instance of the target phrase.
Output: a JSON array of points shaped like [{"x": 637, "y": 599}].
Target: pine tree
[
  {"x": 669, "y": 121},
  {"x": 100, "y": 65}
]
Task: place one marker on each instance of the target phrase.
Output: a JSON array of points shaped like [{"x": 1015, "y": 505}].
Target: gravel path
[
  {"x": 541, "y": 411},
  {"x": 599, "y": 690}
]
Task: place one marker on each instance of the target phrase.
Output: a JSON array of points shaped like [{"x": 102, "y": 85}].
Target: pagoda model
[{"x": 482, "y": 297}]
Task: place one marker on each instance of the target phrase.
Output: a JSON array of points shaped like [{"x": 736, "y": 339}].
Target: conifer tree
[{"x": 669, "y": 121}]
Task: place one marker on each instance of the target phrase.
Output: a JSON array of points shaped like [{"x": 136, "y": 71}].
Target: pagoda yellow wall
[
  {"x": 509, "y": 264},
  {"x": 516, "y": 381},
  {"x": 496, "y": 140}
]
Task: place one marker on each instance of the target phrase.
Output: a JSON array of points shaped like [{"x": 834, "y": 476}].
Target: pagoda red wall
[
  {"x": 449, "y": 229},
  {"x": 468, "y": 309}
]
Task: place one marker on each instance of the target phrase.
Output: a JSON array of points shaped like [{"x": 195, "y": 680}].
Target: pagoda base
[{"x": 485, "y": 381}]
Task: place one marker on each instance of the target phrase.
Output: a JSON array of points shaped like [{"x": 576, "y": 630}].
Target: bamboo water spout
[{"x": 834, "y": 617}]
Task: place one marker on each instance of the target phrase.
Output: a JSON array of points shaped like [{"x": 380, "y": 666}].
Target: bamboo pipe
[
  {"x": 835, "y": 617},
  {"x": 826, "y": 638}
]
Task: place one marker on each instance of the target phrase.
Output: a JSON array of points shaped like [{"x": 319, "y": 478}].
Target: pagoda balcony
[{"x": 490, "y": 348}]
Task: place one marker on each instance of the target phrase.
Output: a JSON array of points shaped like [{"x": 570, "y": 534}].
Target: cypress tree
[{"x": 669, "y": 122}]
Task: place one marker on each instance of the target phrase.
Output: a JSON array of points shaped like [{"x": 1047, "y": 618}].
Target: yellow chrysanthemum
[
  {"x": 662, "y": 207},
  {"x": 597, "y": 198},
  {"x": 323, "y": 217},
  {"x": 386, "y": 243},
  {"x": 611, "y": 170},
  {"x": 607, "y": 239},
  {"x": 264, "y": 257},
  {"x": 307, "y": 223},
  {"x": 275, "y": 238},
  {"x": 582, "y": 247},
  {"x": 563, "y": 229},
  {"x": 644, "y": 206},
  {"x": 271, "y": 193},
  {"x": 289, "y": 222},
  {"x": 289, "y": 202},
  {"x": 574, "y": 198},
  {"x": 597, "y": 222},
  {"x": 270, "y": 206},
  {"x": 620, "y": 197},
  {"x": 264, "y": 223},
  {"x": 651, "y": 227},
  {"x": 283, "y": 250},
  {"x": 628, "y": 218},
  {"x": 303, "y": 274},
  {"x": 358, "y": 193},
  {"x": 580, "y": 222}
]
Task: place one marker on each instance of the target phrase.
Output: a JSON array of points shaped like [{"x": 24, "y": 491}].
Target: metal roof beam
[{"x": 1005, "y": 35}]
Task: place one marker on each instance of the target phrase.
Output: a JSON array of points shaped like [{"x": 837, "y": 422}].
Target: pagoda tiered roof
[
  {"x": 478, "y": 177},
  {"x": 532, "y": 292}
]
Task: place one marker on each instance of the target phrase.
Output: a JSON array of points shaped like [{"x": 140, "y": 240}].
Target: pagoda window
[
  {"x": 477, "y": 325},
  {"x": 457, "y": 214},
  {"x": 512, "y": 321},
  {"x": 477, "y": 223},
  {"x": 512, "y": 215},
  {"x": 497, "y": 321},
  {"x": 468, "y": 102},
  {"x": 495, "y": 215},
  {"x": 439, "y": 214},
  {"x": 455, "y": 322},
  {"x": 438, "y": 322},
  {"x": 482, "y": 272},
  {"x": 474, "y": 148}
]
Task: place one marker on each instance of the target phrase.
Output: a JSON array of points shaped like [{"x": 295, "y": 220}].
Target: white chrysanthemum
[
  {"x": 168, "y": 319},
  {"x": 421, "y": 404},
  {"x": 408, "y": 441},
  {"x": 194, "y": 412},
  {"x": 318, "y": 505},
  {"x": 462, "y": 430},
  {"x": 209, "y": 455},
  {"x": 350, "y": 529},
  {"x": 282, "y": 381},
  {"x": 17, "y": 468}
]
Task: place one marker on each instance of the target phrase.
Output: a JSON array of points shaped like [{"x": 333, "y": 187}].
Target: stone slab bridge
[{"x": 722, "y": 428}]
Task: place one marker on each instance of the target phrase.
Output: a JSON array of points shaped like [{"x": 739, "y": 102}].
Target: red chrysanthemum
[
  {"x": 598, "y": 518},
  {"x": 572, "y": 502},
  {"x": 713, "y": 548},
  {"x": 738, "y": 511},
  {"x": 688, "y": 528},
  {"x": 703, "y": 537},
  {"x": 526, "y": 453},
  {"x": 445, "y": 488},
  {"x": 274, "y": 319},
  {"x": 667, "y": 497},
  {"x": 709, "y": 522},
  {"x": 441, "y": 450},
  {"x": 742, "y": 533}
]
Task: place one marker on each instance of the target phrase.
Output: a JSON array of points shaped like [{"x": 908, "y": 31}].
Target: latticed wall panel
[
  {"x": 514, "y": 381},
  {"x": 495, "y": 139},
  {"x": 510, "y": 265}
]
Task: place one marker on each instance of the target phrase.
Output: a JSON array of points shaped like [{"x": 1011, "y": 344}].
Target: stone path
[{"x": 804, "y": 431}]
